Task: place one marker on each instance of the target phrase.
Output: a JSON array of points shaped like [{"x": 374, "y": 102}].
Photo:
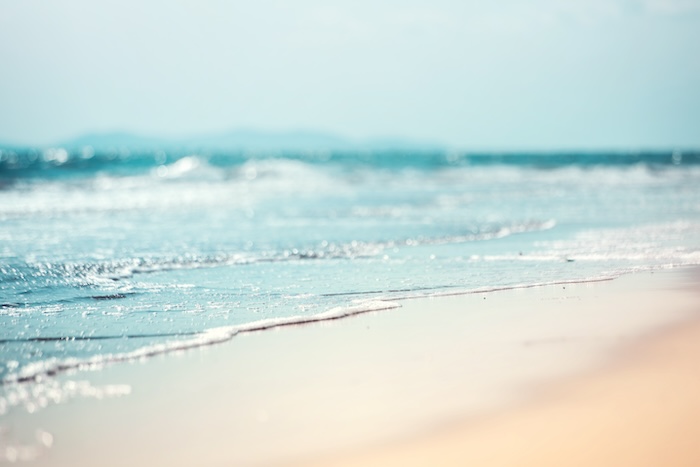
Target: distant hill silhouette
[{"x": 236, "y": 140}]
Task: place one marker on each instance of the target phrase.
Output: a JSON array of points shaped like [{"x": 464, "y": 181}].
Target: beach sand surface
[
  {"x": 643, "y": 410},
  {"x": 602, "y": 373}
]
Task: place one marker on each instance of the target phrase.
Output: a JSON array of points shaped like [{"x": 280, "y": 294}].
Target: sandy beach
[
  {"x": 601, "y": 373},
  {"x": 641, "y": 410}
]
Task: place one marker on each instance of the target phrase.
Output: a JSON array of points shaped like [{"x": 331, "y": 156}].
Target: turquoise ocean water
[{"x": 114, "y": 256}]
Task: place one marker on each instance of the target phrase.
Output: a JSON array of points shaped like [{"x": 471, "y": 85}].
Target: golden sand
[{"x": 642, "y": 411}]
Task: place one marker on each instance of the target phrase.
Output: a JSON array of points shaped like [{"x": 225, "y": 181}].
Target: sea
[{"x": 119, "y": 255}]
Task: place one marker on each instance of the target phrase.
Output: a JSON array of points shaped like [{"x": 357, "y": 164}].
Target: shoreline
[
  {"x": 221, "y": 335},
  {"x": 318, "y": 391}
]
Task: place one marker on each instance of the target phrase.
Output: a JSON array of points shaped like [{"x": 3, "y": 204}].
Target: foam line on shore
[{"x": 53, "y": 367}]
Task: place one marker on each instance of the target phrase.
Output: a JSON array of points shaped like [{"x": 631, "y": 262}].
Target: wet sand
[{"x": 598, "y": 373}]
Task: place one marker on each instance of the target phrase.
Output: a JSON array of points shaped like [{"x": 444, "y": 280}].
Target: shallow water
[{"x": 119, "y": 256}]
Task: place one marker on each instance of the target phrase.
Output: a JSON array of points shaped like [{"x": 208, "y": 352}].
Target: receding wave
[
  {"x": 94, "y": 337},
  {"x": 55, "y": 366},
  {"x": 213, "y": 336}
]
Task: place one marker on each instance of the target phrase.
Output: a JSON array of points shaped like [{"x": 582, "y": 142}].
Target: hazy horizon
[
  {"x": 252, "y": 138},
  {"x": 550, "y": 75}
]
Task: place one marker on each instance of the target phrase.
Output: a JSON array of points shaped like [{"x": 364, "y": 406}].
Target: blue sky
[{"x": 542, "y": 74}]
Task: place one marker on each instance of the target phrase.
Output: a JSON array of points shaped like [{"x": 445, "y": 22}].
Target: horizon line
[{"x": 387, "y": 142}]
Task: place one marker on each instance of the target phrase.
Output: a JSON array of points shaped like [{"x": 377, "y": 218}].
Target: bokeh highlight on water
[{"x": 110, "y": 256}]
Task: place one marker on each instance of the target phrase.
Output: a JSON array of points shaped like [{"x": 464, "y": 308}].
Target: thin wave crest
[
  {"x": 109, "y": 272},
  {"x": 86, "y": 160}
]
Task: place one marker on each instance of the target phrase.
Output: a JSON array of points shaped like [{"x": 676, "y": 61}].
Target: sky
[{"x": 540, "y": 74}]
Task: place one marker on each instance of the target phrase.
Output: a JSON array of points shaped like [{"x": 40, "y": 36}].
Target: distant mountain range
[{"x": 238, "y": 140}]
